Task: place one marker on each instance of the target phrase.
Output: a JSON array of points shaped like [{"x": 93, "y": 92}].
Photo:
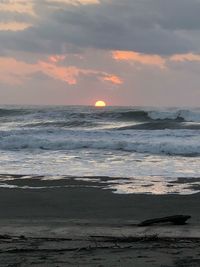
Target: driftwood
[{"x": 176, "y": 219}]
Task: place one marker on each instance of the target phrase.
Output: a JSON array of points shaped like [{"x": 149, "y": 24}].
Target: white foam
[
  {"x": 182, "y": 142},
  {"x": 173, "y": 114}
]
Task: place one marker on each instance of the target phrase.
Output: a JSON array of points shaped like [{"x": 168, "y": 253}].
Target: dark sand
[{"x": 86, "y": 226}]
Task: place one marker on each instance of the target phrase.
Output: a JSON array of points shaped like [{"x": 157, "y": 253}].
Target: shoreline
[
  {"x": 87, "y": 226},
  {"x": 93, "y": 203},
  {"x": 119, "y": 185}
]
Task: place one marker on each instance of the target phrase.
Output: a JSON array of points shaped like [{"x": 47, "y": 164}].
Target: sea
[{"x": 129, "y": 150}]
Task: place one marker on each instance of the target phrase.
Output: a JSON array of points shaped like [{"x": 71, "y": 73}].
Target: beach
[
  {"x": 88, "y": 226},
  {"x": 75, "y": 182},
  {"x": 99, "y": 133}
]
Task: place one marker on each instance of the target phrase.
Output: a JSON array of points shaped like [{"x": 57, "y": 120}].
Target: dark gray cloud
[
  {"x": 146, "y": 26},
  {"x": 128, "y": 25},
  {"x": 179, "y": 14}
]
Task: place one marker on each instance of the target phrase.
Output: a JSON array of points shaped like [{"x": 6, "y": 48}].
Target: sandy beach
[
  {"x": 99, "y": 133},
  {"x": 88, "y": 226}
]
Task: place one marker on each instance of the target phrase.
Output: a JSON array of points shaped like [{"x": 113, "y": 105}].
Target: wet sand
[{"x": 89, "y": 226}]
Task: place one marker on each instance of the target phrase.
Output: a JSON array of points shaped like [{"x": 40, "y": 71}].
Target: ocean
[{"x": 124, "y": 149}]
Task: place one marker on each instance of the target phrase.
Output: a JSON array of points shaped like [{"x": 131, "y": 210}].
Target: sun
[{"x": 100, "y": 103}]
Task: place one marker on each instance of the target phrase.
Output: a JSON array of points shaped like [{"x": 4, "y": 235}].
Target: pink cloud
[
  {"x": 75, "y": 2},
  {"x": 113, "y": 79},
  {"x": 131, "y": 56},
  {"x": 66, "y": 74},
  {"x": 16, "y": 72},
  {"x": 13, "y": 26},
  {"x": 185, "y": 57},
  {"x": 19, "y": 6},
  {"x": 70, "y": 74},
  {"x": 56, "y": 58}
]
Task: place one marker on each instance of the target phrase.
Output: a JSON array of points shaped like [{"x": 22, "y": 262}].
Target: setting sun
[{"x": 100, "y": 104}]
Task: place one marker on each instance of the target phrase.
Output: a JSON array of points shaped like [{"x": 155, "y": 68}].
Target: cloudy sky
[{"x": 130, "y": 52}]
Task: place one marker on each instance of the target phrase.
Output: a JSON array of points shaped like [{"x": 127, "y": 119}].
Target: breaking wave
[
  {"x": 172, "y": 145},
  {"x": 116, "y": 129},
  {"x": 161, "y": 125},
  {"x": 62, "y": 124},
  {"x": 89, "y": 113},
  {"x": 5, "y": 112}
]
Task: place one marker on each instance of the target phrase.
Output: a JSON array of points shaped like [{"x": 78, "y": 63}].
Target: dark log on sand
[{"x": 176, "y": 219}]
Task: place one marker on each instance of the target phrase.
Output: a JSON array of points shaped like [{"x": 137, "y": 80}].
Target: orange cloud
[
  {"x": 75, "y": 2},
  {"x": 131, "y": 56},
  {"x": 185, "y": 57},
  {"x": 155, "y": 60},
  {"x": 66, "y": 74},
  {"x": 19, "y": 6},
  {"x": 16, "y": 72},
  {"x": 14, "y": 26},
  {"x": 16, "y": 6},
  {"x": 70, "y": 74},
  {"x": 113, "y": 79},
  {"x": 56, "y": 58}
]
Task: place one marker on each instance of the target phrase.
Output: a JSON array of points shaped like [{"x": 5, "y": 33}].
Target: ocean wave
[
  {"x": 167, "y": 146},
  {"x": 138, "y": 115},
  {"x": 62, "y": 124},
  {"x": 160, "y": 125},
  {"x": 113, "y": 114},
  {"x": 77, "y": 114},
  {"x": 177, "y": 114},
  {"x": 6, "y": 112}
]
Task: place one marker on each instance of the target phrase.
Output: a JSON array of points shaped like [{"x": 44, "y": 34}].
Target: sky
[{"x": 75, "y": 52}]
